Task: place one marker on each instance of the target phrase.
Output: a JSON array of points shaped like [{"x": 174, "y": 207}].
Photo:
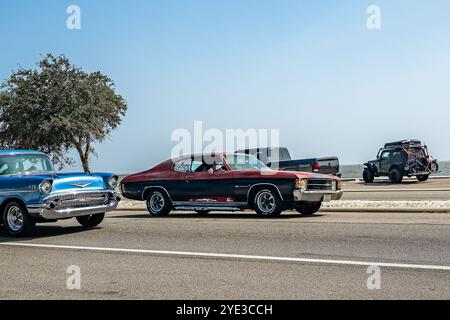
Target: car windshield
[
  {"x": 245, "y": 162},
  {"x": 24, "y": 164}
]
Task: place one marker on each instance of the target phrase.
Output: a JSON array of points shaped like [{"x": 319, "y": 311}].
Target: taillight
[{"x": 316, "y": 167}]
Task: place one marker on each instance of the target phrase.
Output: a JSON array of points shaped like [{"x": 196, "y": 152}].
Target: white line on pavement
[
  {"x": 396, "y": 190},
  {"x": 231, "y": 256}
]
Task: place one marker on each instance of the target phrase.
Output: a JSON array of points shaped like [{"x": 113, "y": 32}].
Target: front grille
[
  {"x": 81, "y": 200},
  {"x": 323, "y": 184}
]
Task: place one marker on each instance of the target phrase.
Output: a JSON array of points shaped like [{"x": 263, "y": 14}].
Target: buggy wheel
[
  {"x": 368, "y": 176},
  {"x": 395, "y": 175},
  {"x": 423, "y": 178}
]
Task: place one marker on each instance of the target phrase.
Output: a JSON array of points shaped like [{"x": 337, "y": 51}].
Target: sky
[{"x": 311, "y": 69}]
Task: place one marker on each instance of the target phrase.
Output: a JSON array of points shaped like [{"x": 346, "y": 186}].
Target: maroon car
[{"x": 228, "y": 182}]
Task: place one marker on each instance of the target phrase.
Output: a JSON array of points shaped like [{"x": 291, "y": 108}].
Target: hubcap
[
  {"x": 14, "y": 218},
  {"x": 266, "y": 202},
  {"x": 156, "y": 202}
]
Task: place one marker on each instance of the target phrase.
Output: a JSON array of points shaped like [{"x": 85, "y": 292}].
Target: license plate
[{"x": 327, "y": 198}]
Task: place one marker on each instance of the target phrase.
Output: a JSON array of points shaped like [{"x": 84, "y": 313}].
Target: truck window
[{"x": 285, "y": 156}]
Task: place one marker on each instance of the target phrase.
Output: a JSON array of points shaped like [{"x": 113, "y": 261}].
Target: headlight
[
  {"x": 301, "y": 184},
  {"x": 46, "y": 186},
  {"x": 112, "y": 182},
  {"x": 334, "y": 185}
]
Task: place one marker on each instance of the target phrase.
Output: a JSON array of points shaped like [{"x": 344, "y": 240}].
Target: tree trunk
[{"x": 84, "y": 156}]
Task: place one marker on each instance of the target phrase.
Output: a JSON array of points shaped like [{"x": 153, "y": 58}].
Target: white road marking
[
  {"x": 231, "y": 256},
  {"x": 396, "y": 190}
]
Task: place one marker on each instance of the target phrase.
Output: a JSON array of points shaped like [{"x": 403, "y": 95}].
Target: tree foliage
[{"x": 57, "y": 107}]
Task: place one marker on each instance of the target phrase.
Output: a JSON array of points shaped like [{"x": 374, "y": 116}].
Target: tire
[
  {"x": 91, "y": 221},
  {"x": 395, "y": 175},
  {"x": 434, "y": 167},
  {"x": 423, "y": 178},
  {"x": 158, "y": 204},
  {"x": 203, "y": 212},
  {"x": 267, "y": 203},
  {"x": 368, "y": 176},
  {"x": 309, "y": 209},
  {"x": 17, "y": 221}
]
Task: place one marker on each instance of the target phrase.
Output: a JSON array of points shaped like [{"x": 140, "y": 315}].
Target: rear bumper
[
  {"x": 51, "y": 211},
  {"x": 316, "y": 196}
]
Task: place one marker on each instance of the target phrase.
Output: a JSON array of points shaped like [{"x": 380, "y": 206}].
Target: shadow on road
[
  {"x": 44, "y": 231},
  {"x": 212, "y": 216}
]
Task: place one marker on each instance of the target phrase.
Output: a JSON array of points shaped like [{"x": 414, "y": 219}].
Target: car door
[
  {"x": 385, "y": 161},
  {"x": 209, "y": 187}
]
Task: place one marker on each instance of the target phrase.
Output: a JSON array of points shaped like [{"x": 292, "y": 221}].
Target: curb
[
  {"x": 381, "y": 179},
  {"x": 353, "y": 209},
  {"x": 387, "y": 210}
]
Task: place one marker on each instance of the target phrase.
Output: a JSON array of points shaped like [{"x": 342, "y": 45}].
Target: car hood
[
  {"x": 74, "y": 182},
  {"x": 278, "y": 174}
]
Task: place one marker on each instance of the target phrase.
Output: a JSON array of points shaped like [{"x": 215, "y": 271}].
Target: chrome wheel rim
[
  {"x": 14, "y": 217},
  {"x": 156, "y": 202},
  {"x": 266, "y": 202}
]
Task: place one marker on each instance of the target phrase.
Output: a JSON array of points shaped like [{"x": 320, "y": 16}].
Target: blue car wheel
[{"x": 17, "y": 220}]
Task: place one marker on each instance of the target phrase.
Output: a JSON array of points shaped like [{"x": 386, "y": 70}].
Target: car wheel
[
  {"x": 267, "y": 203},
  {"x": 91, "y": 221},
  {"x": 368, "y": 176},
  {"x": 434, "y": 167},
  {"x": 158, "y": 204},
  {"x": 423, "y": 178},
  {"x": 17, "y": 221},
  {"x": 203, "y": 212},
  {"x": 308, "y": 209},
  {"x": 395, "y": 175}
]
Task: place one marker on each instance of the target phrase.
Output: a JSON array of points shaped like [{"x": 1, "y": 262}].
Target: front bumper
[
  {"x": 51, "y": 210},
  {"x": 316, "y": 195}
]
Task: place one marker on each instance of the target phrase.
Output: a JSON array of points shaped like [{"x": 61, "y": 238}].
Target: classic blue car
[{"x": 31, "y": 192}]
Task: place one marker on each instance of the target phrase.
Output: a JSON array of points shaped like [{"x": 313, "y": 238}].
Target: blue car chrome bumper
[{"x": 76, "y": 204}]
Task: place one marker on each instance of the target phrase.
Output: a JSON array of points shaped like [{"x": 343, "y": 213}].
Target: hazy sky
[{"x": 309, "y": 68}]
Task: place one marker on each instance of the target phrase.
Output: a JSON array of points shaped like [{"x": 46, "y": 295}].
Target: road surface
[{"x": 233, "y": 256}]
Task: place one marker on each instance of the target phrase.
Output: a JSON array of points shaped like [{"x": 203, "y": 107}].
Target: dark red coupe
[{"x": 228, "y": 182}]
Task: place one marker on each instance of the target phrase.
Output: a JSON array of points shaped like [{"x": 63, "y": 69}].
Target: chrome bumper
[
  {"x": 51, "y": 211},
  {"x": 317, "y": 195}
]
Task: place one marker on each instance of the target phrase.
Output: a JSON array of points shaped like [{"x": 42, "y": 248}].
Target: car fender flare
[
  {"x": 262, "y": 185},
  {"x": 158, "y": 188},
  {"x": 12, "y": 198}
]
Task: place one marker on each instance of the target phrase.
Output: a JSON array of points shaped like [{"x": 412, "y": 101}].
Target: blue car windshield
[{"x": 24, "y": 164}]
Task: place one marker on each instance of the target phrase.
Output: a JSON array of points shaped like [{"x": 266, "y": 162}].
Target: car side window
[
  {"x": 183, "y": 166},
  {"x": 385, "y": 155},
  {"x": 3, "y": 168},
  {"x": 196, "y": 166}
]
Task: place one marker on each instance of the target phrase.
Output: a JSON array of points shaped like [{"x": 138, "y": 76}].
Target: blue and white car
[{"x": 31, "y": 192}]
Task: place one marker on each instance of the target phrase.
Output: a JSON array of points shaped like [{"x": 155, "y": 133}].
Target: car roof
[
  {"x": 198, "y": 155},
  {"x": 13, "y": 152}
]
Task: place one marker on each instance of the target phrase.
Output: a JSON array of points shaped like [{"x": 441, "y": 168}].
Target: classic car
[
  {"x": 31, "y": 192},
  {"x": 228, "y": 182}
]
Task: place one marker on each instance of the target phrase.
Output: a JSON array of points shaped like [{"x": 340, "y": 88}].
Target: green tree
[{"x": 57, "y": 107}]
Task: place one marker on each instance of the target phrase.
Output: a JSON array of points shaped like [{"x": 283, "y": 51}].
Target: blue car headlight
[
  {"x": 46, "y": 186},
  {"x": 112, "y": 182}
]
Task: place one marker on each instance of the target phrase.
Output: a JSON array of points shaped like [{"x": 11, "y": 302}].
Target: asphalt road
[
  {"x": 133, "y": 256},
  {"x": 410, "y": 190}
]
